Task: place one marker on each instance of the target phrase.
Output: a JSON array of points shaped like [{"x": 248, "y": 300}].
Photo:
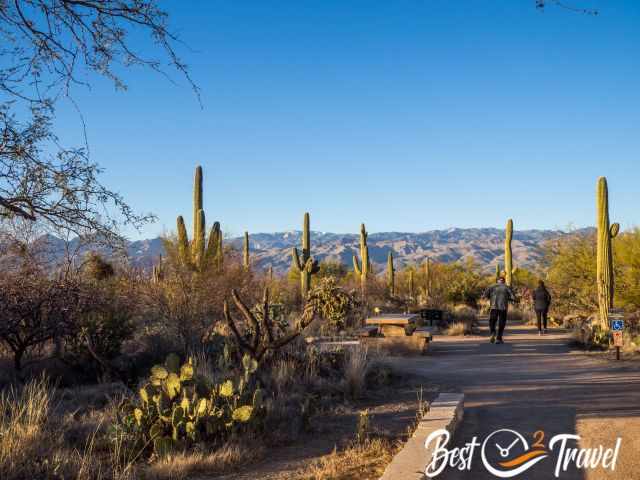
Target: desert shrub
[
  {"x": 177, "y": 408},
  {"x": 458, "y": 328},
  {"x": 36, "y": 309},
  {"x": 96, "y": 268},
  {"x": 571, "y": 274},
  {"x": 328, "y": 268},
  {"x": 591, "y": 335},
  {"x": 101, "y": 331}
]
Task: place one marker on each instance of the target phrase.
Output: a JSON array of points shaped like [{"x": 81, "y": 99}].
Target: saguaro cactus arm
[
  {"x": 295, "y": 260},
  {"x": 356, "y": 266},
  {"x": 183, "y": 240}
]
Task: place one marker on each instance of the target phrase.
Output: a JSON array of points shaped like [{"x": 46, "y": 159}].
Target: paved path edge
[{"x": 445, "y": 412}]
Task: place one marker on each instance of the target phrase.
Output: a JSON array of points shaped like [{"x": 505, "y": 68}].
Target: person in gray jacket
[
  {"x": 541, "y": 302},
  {"x": 500, "y": 296}
]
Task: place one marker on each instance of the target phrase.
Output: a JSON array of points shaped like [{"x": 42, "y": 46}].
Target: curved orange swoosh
[{"x": 522, "y": 458}]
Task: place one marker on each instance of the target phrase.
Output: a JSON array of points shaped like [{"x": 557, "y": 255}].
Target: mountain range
[{"x": 484, "y": 245}]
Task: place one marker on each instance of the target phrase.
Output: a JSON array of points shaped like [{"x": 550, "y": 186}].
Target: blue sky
[{"x": 408, "y": 115}]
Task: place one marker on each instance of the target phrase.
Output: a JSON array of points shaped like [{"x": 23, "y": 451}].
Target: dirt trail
[{"x": 536, "y": 383}]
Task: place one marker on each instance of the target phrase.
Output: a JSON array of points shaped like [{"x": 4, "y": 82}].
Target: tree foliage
[{"x": 47, "y": 47}]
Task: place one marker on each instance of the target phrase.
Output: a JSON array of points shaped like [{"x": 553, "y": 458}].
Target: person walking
[
  {"x": 499, "y": 295},
  {"x": 541, "y": 302}
]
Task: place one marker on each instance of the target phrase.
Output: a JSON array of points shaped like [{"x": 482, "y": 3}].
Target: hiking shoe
[
  {"x": 499, "y": 341},
  {"x": 546, "y": 331},
  {"x": 540, "y": 332},
  {"x": 493, "y": 339}
]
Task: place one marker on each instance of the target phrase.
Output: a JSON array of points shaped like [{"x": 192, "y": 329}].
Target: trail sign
[
  {"x": 617, "y": 338},
  {"x": 616, "y": 317},
  {"x": 617, "y": 325}
]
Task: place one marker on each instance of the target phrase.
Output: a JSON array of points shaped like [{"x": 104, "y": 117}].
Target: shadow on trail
[{"x": 531, "y": 383}]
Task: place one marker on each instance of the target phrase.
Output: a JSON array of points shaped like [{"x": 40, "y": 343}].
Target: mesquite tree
[{"x": 47, "y": 48}]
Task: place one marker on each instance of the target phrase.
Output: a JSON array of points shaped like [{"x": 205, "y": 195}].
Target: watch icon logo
[{"x": 516, "y": 457}]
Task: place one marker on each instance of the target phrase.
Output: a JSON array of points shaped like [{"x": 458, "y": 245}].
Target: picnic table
[{"x": 394, "y": 324}]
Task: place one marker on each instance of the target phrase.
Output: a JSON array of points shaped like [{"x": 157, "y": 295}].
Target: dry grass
[
  {"x": 358, "y": 462},
  {"x": 355, "y": 371},
  {"x": 458, "y": 328},
  {"x": 23, "y": 416},
  {"x": 185, "y": 465}
]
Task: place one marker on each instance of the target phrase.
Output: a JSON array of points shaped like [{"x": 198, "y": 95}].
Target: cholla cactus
[
  {"x": 306, "y": 266},
  {"x": 261, "y": 337},
  {"x": 604, "y": 270},
  {"x": 391, "y": 275},
  {"x": 362, "y": 268}
]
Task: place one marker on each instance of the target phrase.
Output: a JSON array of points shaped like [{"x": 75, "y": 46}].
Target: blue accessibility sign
[{"x": 617, "y": 325}]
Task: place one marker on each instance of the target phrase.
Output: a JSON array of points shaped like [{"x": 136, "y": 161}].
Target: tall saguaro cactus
[
  {"x": 245, "y": 252},
  {"x": 306, "y": 266},
  {"x": 411, "y": 285},
  {"x": 604, "y": 269},
  {"x": 391, "y": 275},
  {"x": 427, "y": 278},
  {"x": 362, "y": 268},
  {"x": 199, "y": 253},
  {"x": 508, "y": 261}
]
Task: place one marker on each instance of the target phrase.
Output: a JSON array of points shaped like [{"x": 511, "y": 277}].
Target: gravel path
[{"x": 536, "y": 383}]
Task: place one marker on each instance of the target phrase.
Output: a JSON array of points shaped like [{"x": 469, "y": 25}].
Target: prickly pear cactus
[{"x": 177, "y": 407}]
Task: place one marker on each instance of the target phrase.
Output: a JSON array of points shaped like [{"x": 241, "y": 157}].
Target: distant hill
[{"x": 484, "y": 245}]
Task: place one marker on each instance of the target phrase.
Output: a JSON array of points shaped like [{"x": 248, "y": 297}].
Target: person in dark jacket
[
  {"x": 500, "y": 296},
  {"x": 541, "y": 302}
]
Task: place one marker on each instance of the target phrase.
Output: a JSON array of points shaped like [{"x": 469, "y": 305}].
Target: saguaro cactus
[
  {"x": 199, "y": 253},
  {"x": 427, "y": 278},
  {"x": 214, "y": 254},
  {"x": 305, "y": 265},
  {"x": 245, "y": 252},
  {"x": 411, "y": 285},
  {"x": 508, "y": 262},
  {"x": 157, "y": 274},
  {"x": 362, "y": 268},
  {"x": 604, "y": 269},
  {"x": 498, "y": 272},
  {"x": 270, "y": 273},
  {"x": 391, "y": 275}
]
